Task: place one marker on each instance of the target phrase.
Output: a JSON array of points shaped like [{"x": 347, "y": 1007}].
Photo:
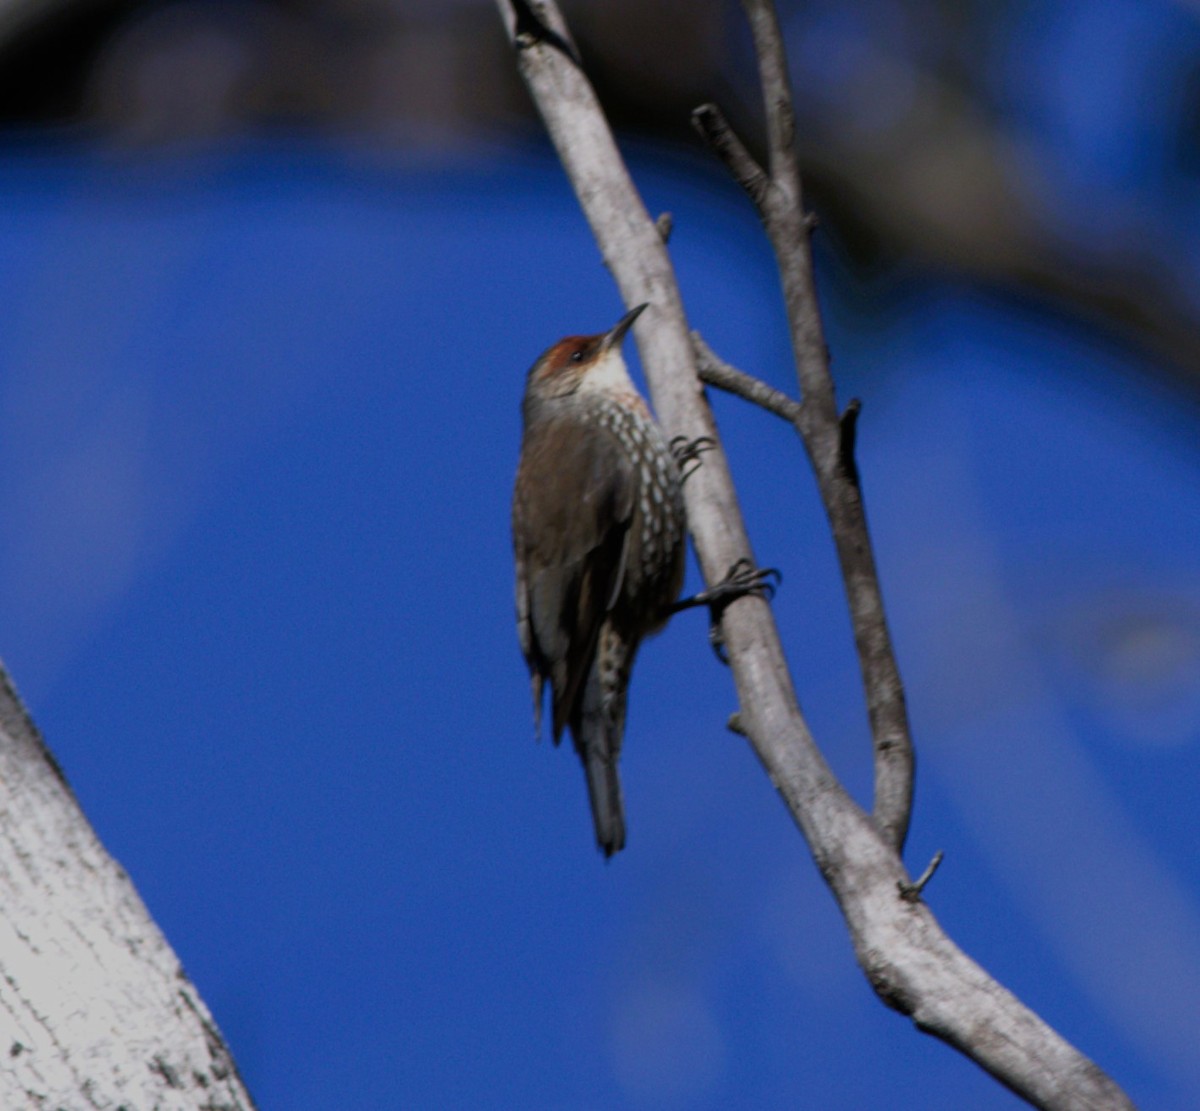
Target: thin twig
[
  {"x": 714, "y": 129},
  {"x": 777, "y": 95},
  {"x": 714, "y": 371},
  {"x": 784, "y": 216},
  {"x": 911, "y": 892}
]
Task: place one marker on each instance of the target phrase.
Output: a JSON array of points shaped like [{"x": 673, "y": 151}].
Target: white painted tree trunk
[{"x": 95, "y": 1009}]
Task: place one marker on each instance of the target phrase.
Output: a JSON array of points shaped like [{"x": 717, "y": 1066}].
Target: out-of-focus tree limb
[
  {"x": 96, "y": 1010},
  {"x": 945, "y": 183}
]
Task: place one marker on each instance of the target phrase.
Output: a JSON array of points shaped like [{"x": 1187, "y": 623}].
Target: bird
[{"x": 598, "y": 525}]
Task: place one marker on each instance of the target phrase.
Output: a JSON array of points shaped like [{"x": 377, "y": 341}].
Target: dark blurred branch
[
  {"x": 944, "y": 181},
  {"x": 909, "y": 960}
]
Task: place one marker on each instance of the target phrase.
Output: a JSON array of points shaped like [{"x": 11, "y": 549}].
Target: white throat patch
[{"x": 609, "y": 375}]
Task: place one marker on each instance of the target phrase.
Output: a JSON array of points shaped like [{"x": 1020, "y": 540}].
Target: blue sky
[{"x": 258, "y": 426}]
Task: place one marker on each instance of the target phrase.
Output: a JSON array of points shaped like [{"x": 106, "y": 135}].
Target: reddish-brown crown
[{"x": 573, "y": 351}]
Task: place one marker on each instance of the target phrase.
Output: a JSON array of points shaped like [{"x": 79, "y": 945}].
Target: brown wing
[{"x": 571, "y": 511}]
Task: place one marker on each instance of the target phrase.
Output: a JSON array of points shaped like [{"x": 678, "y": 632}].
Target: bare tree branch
[
  {"x": 714, "y": 129},
  {"x": 911, "y": 963},
  {"x": 714, "y": 371}
]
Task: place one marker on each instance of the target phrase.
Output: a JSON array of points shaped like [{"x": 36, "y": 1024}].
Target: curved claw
[
  {"x": 687, "y": 453},
  {"x": 743, "y": 578}
]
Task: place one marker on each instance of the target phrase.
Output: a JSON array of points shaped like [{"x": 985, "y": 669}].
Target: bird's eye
[{"x": 577, "y": 355}]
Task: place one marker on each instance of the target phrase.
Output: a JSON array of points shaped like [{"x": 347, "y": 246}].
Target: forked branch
[{"x": 909, "y": 960}]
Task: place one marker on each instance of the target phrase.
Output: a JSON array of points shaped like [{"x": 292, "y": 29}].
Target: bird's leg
[
  {"x": 743, "y": 578},
  {"x": 687, "y": 453}
]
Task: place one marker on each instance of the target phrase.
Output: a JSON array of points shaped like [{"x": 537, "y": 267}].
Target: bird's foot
[
  {"x": 742, "y": 579},
  {"x": 687, "y": 453}
]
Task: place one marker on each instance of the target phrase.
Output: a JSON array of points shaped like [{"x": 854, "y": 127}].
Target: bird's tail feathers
[
  {"x": 608, "y": 806},
  {"x": 598, "y": 733}
]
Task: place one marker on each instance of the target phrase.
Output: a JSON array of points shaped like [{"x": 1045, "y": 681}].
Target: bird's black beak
[{"x": 613, "y": 337}]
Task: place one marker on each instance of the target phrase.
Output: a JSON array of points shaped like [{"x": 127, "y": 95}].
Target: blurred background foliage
[{"x": 1051, "y": 149}]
